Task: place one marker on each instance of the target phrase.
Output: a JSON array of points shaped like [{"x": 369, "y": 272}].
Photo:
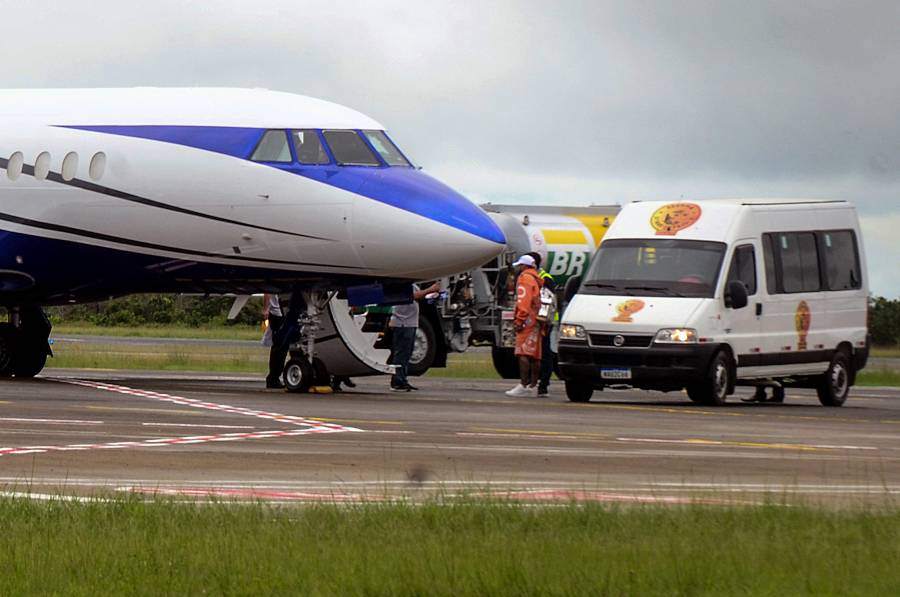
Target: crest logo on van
[
  {"x": 672, "y": 218},
  {"x": 626, "y": 309},
  {"x": 802, "y": 322}
]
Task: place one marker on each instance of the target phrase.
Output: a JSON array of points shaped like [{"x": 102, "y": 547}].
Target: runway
[{"x": 84, "y": 433}]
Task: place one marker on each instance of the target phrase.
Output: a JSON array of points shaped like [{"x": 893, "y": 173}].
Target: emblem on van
[
  {"x": 672, "y": 218},
  {"x": 802, "y": 322},
  {"x": 619, "y": 340},
  {"x": 626, "y": 309}
]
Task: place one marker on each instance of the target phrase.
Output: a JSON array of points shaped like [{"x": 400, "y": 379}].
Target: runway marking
[
  {"x": 308, "y": 426},
  {"x": 512, "y": 435},
  {"x": 372, "y": 421},
  {"x": 202, "y": 404},
  {"x": 167, "y": 441},
  {"x": 155, "y": 411},
  {"x": 739, "y": 444},
  {"x": 51, "y": 421},
  {"x": 197, "y": 425},
  {"x": 271, "y": 495},
  {"x": 544, "y": 433}
]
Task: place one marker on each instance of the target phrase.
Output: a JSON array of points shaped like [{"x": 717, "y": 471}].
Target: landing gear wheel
[
  {"x": 320, "y": 373},
  {"x": 7, "y": 349},
  {"x": 424, "y": 349},
  {"x": 777, "y": 395},
  {"x": 298, "y": 375},
  {"x": 578, "y": 391},
  {"x": 506, "y": 363},
  {"x": 834, "y": 385},
  {"x": 713, "y": 389},
  {"x": 29, "y": 361}
]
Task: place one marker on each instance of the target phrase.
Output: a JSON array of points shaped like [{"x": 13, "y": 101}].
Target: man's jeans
[{"x": 404, "y": 339}]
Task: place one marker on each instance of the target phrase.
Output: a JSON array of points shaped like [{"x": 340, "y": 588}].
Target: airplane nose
[{"x": 437, "y": 233}]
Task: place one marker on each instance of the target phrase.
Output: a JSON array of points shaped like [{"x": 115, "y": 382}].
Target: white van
[{"x": 707, "y": 295}]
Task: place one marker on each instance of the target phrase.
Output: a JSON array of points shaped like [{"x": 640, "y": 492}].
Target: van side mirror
[
  {"x": 572, "y": 286},
  {"x": 736, "y": 295}
]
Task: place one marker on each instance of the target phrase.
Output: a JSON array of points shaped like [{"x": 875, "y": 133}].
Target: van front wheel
[
  {"x": 834, "y": 386},
  {"x": 578, "y": 391},
  {"x": 713, "y": 388}
]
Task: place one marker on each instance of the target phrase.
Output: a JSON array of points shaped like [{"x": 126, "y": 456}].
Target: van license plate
[{"x": 615, "y": 373}]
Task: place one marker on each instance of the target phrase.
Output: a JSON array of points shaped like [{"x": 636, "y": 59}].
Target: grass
[
  {"x": 878, "y": 377},
  {"x": 888, "y": 352},
  {"x": 164, "y": 357},
  {"x": 235, "y": 332},
  {"x": 129, "y": 547}
]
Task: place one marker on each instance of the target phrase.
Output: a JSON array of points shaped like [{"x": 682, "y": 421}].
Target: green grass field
[
  {"x": 132, "y": 548},
  {"x": 252, "y": 359}
]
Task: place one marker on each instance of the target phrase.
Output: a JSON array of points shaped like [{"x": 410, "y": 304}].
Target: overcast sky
[{"x": 551, "y": 102}]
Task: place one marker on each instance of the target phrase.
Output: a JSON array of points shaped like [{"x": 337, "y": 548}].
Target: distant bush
[
  {"x": 884, "y": 321},
  {"x": 159, "y": 309}
]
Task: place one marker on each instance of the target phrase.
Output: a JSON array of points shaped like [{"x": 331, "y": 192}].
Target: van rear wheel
[
  {"x": 834, "y": 385},
  {"x": 713, "y": 389}
]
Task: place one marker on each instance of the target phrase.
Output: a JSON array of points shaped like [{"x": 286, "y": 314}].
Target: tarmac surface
[{"x": 85, "y": 433}]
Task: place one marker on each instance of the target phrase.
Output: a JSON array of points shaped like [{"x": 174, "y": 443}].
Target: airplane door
[{"x": 742, "y": 326}]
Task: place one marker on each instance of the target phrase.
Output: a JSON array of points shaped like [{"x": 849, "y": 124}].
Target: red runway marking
[{"x": 252, "y": 494}]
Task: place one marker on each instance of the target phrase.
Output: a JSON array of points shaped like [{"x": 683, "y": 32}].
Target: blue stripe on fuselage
[{"x": 401, "y": 187}]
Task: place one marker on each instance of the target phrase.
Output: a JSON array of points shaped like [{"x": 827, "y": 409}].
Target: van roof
[{"x": 709, "y": 220}]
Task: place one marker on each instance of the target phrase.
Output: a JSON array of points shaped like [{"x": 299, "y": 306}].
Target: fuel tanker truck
[{"x": 475, "y": 307}]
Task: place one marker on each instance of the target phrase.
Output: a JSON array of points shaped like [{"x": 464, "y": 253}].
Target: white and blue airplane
[{"x": 108, "y": 192}]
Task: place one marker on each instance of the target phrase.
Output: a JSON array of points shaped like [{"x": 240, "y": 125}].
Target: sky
[{"x": 563, "y": 102}]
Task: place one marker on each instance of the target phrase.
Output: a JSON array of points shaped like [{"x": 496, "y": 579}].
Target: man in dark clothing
[
  {"x": 286, "y": 334},
  {"x": 275, "y": 318},
  {"x": 403, "y": 324}
]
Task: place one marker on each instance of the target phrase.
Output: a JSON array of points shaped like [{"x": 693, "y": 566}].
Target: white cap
[{"x": 524, "y": 260}]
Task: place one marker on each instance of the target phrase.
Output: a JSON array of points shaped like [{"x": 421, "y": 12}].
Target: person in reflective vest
[{"x": 529, "y": 330}]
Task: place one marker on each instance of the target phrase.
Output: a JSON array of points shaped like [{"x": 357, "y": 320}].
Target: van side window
[
  {"x": 799, "y": 258},
  {"x": 769, "y": 261},
  {"x": 743, "y": 268},
  {"x": 842, "y": 269},
  {"x": 273, "y": 147}
]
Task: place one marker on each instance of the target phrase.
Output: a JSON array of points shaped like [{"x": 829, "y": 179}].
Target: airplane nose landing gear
[
  {"x": 303, "y": 370},
  {"x": 24, "y": 345}
]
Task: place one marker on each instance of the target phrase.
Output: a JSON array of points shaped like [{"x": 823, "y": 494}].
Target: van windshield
[{"x": 651, "y": 267}]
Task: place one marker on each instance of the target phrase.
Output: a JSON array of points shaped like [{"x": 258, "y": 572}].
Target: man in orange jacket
[{"x": 528, "y": 329}]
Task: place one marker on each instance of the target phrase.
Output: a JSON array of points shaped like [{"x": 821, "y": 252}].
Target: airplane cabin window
[
  {"x": 349, "y": 149},
  {"x": 70, "y": 166},
  {"x": 14, "y": 167},
  {"x": 97, "y": 166},
  {"x": 273, "y": 147},
  {"x": 309, "y": 147},
  {"x": 388, "y": 151},
  {"x": 42, "y": 166}
]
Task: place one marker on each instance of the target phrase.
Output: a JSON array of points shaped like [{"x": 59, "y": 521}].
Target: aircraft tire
[
  {"x": 320, "y": 373},
  {"x": 506, "y": 364},
  {"x": 298, "y": 375},
  {"x": 29, "y": 360},
  {"x": 424, "y": 349},
  {"x": 7, "y": 349}
]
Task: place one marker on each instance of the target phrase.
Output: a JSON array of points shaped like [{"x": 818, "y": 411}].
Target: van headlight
[
  {"x": 568, "y": 331},
  {"x": 676, "y": 336}
]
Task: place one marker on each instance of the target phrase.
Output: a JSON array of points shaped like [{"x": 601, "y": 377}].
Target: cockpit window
[
  {"x": 309, "y": 147},
  {"x": 273, "y": 147},
  {"x": 349, "y": 149},
  {"x": 388, "y": 151}
]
